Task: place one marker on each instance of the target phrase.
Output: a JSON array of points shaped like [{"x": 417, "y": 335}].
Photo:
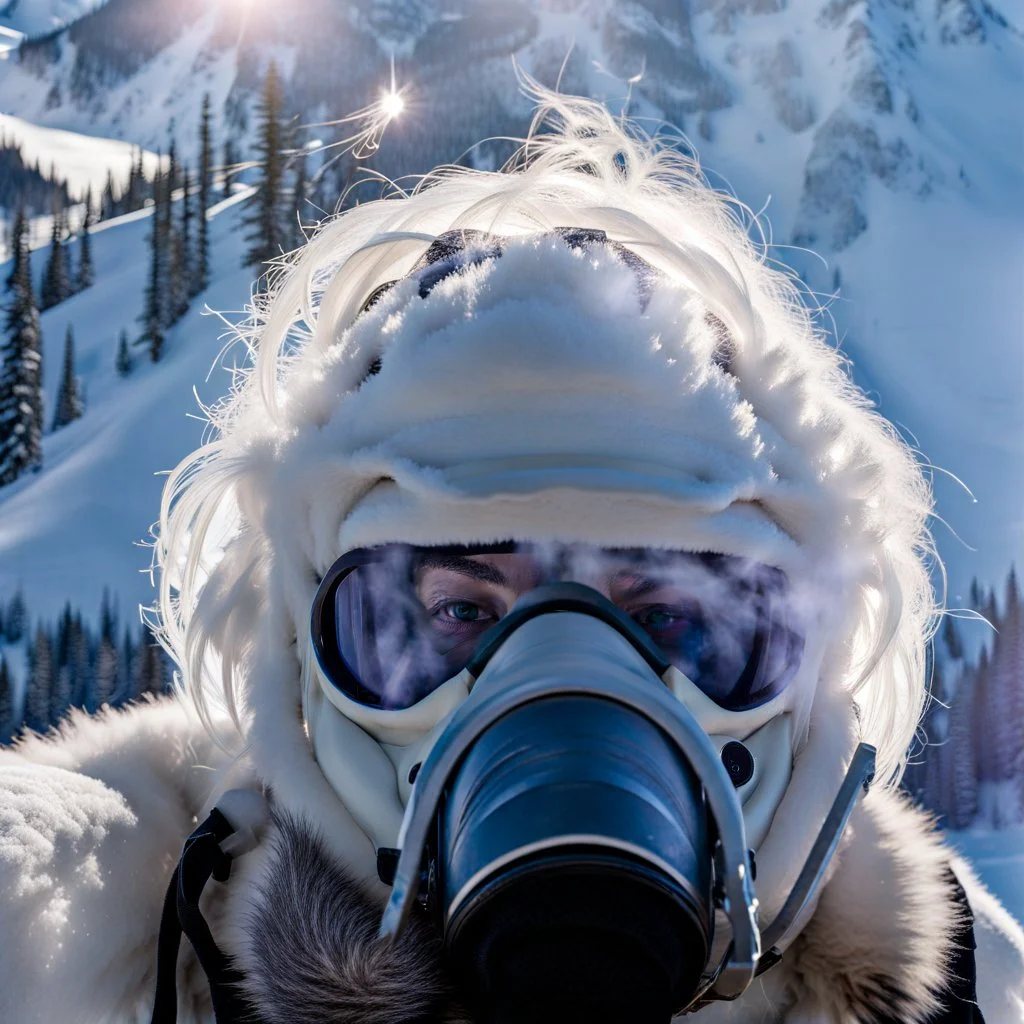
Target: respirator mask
[{"x": 573, "y": 832}]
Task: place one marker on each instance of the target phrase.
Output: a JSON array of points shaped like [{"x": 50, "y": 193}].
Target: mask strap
[{"x": 857, "y": 782}]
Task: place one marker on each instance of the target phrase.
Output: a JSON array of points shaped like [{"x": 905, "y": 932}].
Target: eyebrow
[
  {"x": 634, "y": 584},
  {"x": 464, "y": 566}
]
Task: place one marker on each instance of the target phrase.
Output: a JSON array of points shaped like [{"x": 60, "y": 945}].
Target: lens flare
[{"x": 391, "y": 104}]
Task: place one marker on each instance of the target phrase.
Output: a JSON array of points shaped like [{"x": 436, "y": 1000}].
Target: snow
[
  {"x": 83, "y": 522},
  {"x": 36, "y": 17},
  {"x": 82, "y": 160},
  {"x": 932, "y": 304},
  {"x": 998, "y": 858},
  {"x": 162, "y": 99}
]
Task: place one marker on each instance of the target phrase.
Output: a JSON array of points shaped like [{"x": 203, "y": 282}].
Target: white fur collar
[{"x": 877, "y": 943}]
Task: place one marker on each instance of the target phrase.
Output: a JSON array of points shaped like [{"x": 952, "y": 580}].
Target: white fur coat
[{"x": 92, "y": 823}]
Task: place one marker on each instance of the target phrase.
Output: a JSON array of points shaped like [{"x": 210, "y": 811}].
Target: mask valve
[{"x": 739, "y": 763}]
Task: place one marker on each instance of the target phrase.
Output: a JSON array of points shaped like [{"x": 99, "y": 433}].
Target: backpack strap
[{"x": 208, "y": 852}]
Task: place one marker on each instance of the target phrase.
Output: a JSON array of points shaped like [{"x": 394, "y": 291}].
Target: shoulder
[{"x": 91, "y": 822}]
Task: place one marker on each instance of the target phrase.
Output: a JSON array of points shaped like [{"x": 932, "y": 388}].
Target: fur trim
[
  {"x": 313, "y": 953},
  {"x": 878, "y": 945},
  {"x": 91, "y": 823}
]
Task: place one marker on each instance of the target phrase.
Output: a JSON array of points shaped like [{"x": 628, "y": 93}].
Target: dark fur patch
[{"x": 316, "y": 957}]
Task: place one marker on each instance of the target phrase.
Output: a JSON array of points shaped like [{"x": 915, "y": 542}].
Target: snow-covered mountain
[
  {"x": 37, "y": 17},
  {"x": 884, "y": 134},
  {"x": 81, "y": 523}
]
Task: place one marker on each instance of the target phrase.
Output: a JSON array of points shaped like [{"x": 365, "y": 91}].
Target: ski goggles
[{"x": 390, "y": 624}]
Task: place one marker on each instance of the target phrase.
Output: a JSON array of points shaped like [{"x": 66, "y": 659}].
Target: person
[{"x": 541, "y": 604}]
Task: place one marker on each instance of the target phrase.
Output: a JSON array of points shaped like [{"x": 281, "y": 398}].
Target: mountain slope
[
  {"x": 78, "y": 525},
  {"x": 878, "y": 132},
  {"x": 36, "y": 17}
]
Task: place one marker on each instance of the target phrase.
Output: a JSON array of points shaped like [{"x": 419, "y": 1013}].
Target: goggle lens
[{"x": 391, "y": 624}]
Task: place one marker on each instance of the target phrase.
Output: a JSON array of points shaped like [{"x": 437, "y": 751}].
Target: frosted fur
[
  {"x": 589, "y": 169},
  {"x": 91, "y": 824},
  {"x": 92, "y": 820}
]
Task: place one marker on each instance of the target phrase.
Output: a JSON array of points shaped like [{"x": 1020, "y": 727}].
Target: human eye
[
  {"x": 463, "y": 612},
  {"x": 676, "y": 624}
]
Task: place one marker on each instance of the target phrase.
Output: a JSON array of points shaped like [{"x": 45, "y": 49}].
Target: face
[
  {"x": 464, "y": 595},
  {"x": 406, "y": 619}
]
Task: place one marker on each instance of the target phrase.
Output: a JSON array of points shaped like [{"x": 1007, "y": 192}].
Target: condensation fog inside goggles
[{"x": 391, "y": 624}]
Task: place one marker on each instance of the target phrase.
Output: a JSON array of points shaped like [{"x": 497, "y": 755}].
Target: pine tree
[
  {"x": 56, "y": 286},
  {"x": 153, "y": 308},
  {"x": 202, "y": 261},
  {"x": 298, "y": 204},
  {"x": 108, "y": 201},
  {"x": 60, "y": 694},
  {"x": 15, "y": 619},
  {"x": 954, "y": 647},
  {"x": 82, "y": 680},
  {"x": 182, "y": 272},
  {"x": 86, "y": 273},
  {"x": 151, "y": 674},
  {"x": 125, "y": 669},
  {"x": 69, "y": 401},
  {"x": 124, "y": 356},
  {"x": 170, "y": 183},
  {"x": 7, "y": 723},
  {"x": 1008, "y": 686},
  {"x": 267, "y": 237},
  {"x": 104, "y": 681},
  {"x": 230, "y": 164},
  {"x": 135, "y": 194},
  {"x": 40, "y": 681},
  {"x": 21, "y": 373},
  {"x": 960, "y": 754}
]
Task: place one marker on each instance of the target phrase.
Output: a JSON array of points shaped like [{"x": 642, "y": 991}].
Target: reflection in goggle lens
[{"x": 393, "y": 623}]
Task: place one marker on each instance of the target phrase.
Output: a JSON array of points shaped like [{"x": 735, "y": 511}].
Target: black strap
[{"x": 201, "y": 859}]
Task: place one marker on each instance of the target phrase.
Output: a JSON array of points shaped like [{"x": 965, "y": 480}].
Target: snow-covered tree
[
  {"x": 202, "y": 262},
  {"x": 123, "y": 363},
  {"x": 267, "y": 234},
  {"x": 56, "y": 286},
  {"x": 153, "y": 312},
  {"x": 182, "y": 262},
  {"x": 21, "y": 394},
  {"x": 69, "y": 398},
  {"x": 86, "y": 272}
]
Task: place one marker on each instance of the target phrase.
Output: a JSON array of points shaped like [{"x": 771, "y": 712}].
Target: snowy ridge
[{"x": 83, "y": 161}]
